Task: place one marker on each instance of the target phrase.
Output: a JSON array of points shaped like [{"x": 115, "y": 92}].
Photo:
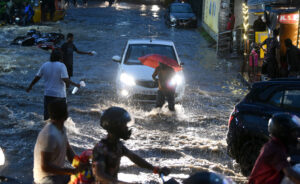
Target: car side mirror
[{"x": 116, "y": 59}]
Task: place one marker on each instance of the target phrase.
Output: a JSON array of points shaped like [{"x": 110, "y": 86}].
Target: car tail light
[{"x": 232, "y": 116}]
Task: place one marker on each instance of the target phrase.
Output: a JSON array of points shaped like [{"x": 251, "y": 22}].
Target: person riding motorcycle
[
  {"x": 272, "y": 164},
  {"x": 108, "y": 152}
]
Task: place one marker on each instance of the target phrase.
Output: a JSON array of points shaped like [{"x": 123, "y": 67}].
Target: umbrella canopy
[{"x": 153, "y": 60}]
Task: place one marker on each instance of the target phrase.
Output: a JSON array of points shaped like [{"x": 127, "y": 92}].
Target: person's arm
[
  {"x": 48, "y": 167},
  {"x": 81, "y": 52},
  {"x": 68, "y": 81},
  {"x": 70, "y": 153},
  {"x": 292, "y": 175},
  {"x": 100, "y": 175},
  {"x": 35, "y": 80},
  {"x": 278, "y": 55},
  {"x": 144, "y": 164},
  {"x": 155, "y": 73}
]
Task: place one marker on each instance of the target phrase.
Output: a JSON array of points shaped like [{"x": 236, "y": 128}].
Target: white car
[{"x": 134, "y": 80}]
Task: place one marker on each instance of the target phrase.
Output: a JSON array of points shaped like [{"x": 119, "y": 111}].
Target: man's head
[
  {"x": 56, "y": 55},
  {"x": 275, "y": 32},
  {"x": 58, "y": 111},
  {"x": 285, "y": 127},
  {"x": 288, "y": 43},
  {"x": 259, "y": 17},
  {"x": 115, "y": 121},
  {"x": 70, "y": 37}
]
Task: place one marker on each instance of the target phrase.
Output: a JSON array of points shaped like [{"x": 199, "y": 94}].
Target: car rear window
[
  {"x": 181, "y": 8},
  {"x": 291, "y": 100},
  {"x": 138, "y": 50}
]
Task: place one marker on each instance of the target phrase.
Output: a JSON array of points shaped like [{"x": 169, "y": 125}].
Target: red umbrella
[{"x": 153, "y": 61}]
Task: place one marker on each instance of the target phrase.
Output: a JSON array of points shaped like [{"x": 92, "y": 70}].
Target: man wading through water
[
  {"x": 55, "y": 79},
  {"x": 108, "y": 152},
  {"x": 165, "y": 87},
  {"x": 68, "y": 48}
]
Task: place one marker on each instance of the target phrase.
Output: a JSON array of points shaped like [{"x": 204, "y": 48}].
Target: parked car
[
  {"x": 180, "y": 15},
  {"x": 134, "y": 80},
  {"x": 248, "y": 123}
]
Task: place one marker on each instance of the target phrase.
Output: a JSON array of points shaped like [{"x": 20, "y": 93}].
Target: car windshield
[
  {"x": 138, "y": 50},
  {"x": 181, "y": 9}
]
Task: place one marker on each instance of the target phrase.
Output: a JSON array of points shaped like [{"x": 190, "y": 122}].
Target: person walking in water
[
  {"x": 55, "y": 79},
  {"x": 68, "y": 48},
  {"x": 165, "y": 87}
]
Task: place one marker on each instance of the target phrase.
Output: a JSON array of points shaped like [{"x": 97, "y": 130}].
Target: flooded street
[{"x": 194, "y": 139}]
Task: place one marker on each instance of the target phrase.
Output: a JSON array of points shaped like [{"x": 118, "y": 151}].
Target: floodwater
[{"x": 192, "y": 139}]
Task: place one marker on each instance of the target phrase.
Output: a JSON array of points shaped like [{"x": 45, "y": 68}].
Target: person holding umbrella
[
  {"x": 166, "y": 89},
  {"x": 165, "y": 69}
]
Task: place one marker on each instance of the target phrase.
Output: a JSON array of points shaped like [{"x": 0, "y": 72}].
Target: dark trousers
[
  {"x": 161, "y": 98},
  {"x": 47, "y": 101}
]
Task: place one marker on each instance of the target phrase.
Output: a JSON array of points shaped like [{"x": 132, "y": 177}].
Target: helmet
[
  {"x": 115, "y": 121},
  {"x": 282, "y": 126},
  {"x": 207, "y": 178}
]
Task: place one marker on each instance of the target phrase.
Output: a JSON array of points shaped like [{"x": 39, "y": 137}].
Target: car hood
[
  {"x": 183, "y": 15},
  {"x": 139, "y": 72}
]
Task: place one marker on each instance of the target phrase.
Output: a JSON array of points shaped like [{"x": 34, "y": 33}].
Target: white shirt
[
  {"x": 50, "y": 139},
  {"x": 53, "y": 73}
]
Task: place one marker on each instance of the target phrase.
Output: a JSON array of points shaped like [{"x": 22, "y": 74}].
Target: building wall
[
  {"x": 238, "y": 12},
  {"x": 211, "y": 14}
]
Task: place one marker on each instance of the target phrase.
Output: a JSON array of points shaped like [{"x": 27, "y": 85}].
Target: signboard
[
  {"x": 211, "y": 14},
  {"x": 291, "y": 18},
  {"x": 259, "y": 38}
]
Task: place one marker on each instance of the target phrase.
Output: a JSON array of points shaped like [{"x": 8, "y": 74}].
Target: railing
[{"x": 224, "y": 43}]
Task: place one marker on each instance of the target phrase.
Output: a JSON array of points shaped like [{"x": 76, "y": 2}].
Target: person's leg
[
  {"x": 160, "y": 99},
  {"x": 171, "y": 100},
  {"x": 47, "y": 101}
]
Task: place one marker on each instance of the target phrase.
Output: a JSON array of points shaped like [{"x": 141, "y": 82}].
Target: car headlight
[
  {"x": 176, "y": 80},
  {"x": 172, "y": 18},
  {"x": 127, "y": 79}
]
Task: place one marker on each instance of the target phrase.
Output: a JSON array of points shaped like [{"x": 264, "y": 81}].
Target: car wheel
[{"x": 248, "y": 155}]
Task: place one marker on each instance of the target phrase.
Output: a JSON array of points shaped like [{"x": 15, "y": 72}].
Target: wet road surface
[{"x": 191, "y": 140}]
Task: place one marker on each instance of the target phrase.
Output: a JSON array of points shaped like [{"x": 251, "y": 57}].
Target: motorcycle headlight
[
  {"x": 176, "y": 80},
  {"x": 127, "y": 79},
  {"x": 172, "y": 18},
  {"x": 2, "y": 157}
]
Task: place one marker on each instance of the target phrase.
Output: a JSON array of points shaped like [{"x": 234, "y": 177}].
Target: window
[
  {"x": 276, "y": 99},
  {"x": 291, "y": 100},
  {"x": 181, "y": 8},
  {"x": 138, "y": 50}
]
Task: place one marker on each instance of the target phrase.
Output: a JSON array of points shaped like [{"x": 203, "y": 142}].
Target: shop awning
[{"x": 267, "y": 2}]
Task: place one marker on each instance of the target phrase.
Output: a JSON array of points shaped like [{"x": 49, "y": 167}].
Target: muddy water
[{"x": 192, "y": 139}]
